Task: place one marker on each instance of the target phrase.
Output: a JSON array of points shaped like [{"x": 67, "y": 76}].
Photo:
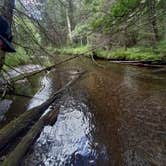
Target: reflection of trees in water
[
  {"x": 130, "y": 123},
  {"x": 69, "y": 141},
  {"x": 125, "y": 126},
  {"x": 142, "y": 119},
  {"x": 97, "y": 154},
  {"x": 105, "y": 118}
]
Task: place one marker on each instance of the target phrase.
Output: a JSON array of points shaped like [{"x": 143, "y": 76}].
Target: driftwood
[
  {"x": 21, "y": 149},
  {"x": 140, "y": 63},
  {"x": 29, "y": 117}
]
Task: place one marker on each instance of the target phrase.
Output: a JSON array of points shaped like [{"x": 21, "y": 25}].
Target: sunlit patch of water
[
  {"x": 43, "y": 93},
  {"x": 69, "y": 141}
]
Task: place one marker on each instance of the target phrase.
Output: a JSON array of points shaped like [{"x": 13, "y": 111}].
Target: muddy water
[{"x": 112, "y": 116}]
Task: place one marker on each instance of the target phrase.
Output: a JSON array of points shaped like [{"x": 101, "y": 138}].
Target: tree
[{"x": 151, "y": 9}]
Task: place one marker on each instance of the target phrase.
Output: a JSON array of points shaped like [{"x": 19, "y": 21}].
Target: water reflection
[
  {"x": 129, "y": 115},
  {"x": 43, "y": 93},
  {"x": 69, "y": 141},
  {"x": 115, "y": 116}
]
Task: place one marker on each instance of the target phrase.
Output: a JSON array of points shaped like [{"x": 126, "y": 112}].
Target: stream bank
[{"x": 140, "y": 56}]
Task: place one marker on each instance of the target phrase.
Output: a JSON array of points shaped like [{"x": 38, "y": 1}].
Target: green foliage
[
  {"x": 116, "y": 13},
  {"x": 81, "y": 31},
  {"x": 123, "y": 7},
  {"x": 161, "y": 47},
  {"x": 74, "y": 50},
  {"x": 135, "y": 53},
  {"x": 19, "y": 58},
  {"x": 26, "y": 32},
  {"x": 130, "y": 54},
  {"x": 124, "y": 23}
]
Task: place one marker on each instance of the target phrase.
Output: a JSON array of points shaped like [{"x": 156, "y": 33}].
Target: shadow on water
[{"x": 113, "y": 116}]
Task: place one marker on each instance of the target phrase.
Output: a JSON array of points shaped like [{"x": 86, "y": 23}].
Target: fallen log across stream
[
  {"x": 140, "y": 63},
  {"x": 30, "y": 74},
  {"x": 29, "y": 117},
  {"x": 21, "y": 149}
]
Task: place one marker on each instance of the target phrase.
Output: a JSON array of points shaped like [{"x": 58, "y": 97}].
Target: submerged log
[
  {"x": 29, "y": 117},
  {"x": 21, "y": 149}
]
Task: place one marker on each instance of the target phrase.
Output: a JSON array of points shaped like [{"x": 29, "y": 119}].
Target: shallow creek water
[{"x": 114, "y": 115}]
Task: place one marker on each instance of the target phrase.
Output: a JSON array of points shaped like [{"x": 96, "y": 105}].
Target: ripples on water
[
  {"x": 120, "y": 122},
  {"x": 115, "y": 116},
  {"x": 69, "y": 141}
]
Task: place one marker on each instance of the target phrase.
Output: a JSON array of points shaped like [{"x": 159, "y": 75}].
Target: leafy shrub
[{"x": 19, "y": 58}]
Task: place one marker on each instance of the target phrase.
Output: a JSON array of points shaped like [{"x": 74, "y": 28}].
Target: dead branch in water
[
  {"x": 29, "y": 117},
  {"x": 19, "y": 152}
]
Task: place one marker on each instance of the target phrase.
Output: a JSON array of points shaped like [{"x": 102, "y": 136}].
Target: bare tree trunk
[
  {"x": 71, "y": 12},
  {"x": 151, "y": 6},
  {"x": 69, "y": 26},
  {"x": 81, "y": 41},
  {"x": 70, "y": 18}
]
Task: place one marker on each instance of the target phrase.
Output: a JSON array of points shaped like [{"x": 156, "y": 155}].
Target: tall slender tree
[{"x": 151, "y": 7}]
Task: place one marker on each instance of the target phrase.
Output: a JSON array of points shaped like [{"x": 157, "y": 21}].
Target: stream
[{"x": 114, "y": 115}]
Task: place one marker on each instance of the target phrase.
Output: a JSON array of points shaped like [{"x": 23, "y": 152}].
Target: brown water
[{"x": 113, "y": 116}]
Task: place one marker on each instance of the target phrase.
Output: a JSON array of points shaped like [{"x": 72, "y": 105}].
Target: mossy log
[
  {"x": 21, "y": 149},
  {"x": 28, "y": 118},
  {"x": 140, "y": 63}
]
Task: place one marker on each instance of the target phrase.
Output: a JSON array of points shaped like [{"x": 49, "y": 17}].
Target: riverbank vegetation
[
  {"x": 132, "y": 30},
  {"x": 129, "y": 54},
  {"x": 114, "y": 30}
]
